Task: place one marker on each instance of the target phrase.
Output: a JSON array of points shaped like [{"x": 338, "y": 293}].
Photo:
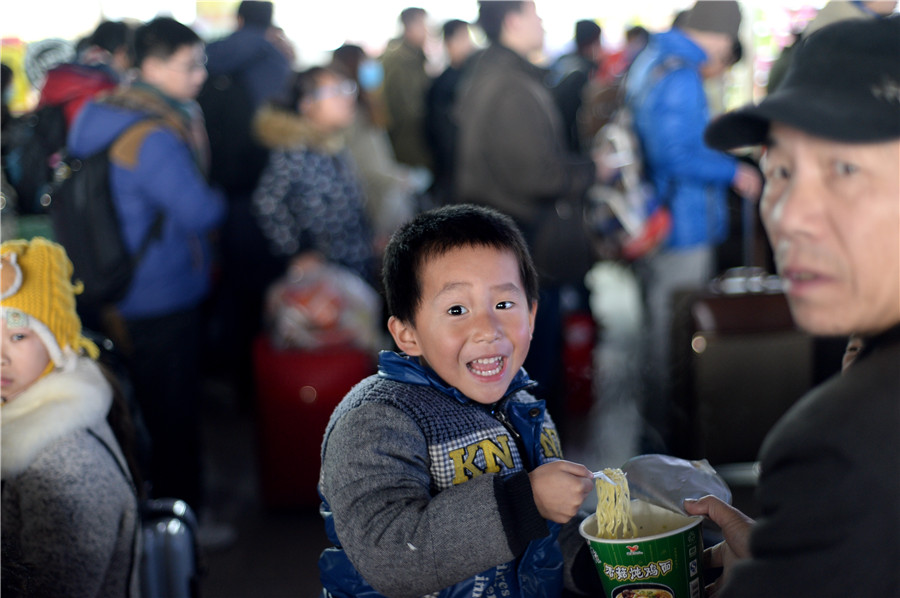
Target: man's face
[
  {"x": 527, "y": 27},
  {"x": 473, "y": 325},
  {"x": 832, "y": 213},
  {"x": 181, "y": 75}
]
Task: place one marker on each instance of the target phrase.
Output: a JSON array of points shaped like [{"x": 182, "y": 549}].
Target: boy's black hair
[
  {"x": 492, "y": 13},
  {"x": 451, "y": 27},
  {"x": 111, "y": 35},
  {"x": 162, "y": 37},
  {"x": 256, "y": 13},
  {"x": 409, "y": 15},
  {"x": 438, "y": 231}
]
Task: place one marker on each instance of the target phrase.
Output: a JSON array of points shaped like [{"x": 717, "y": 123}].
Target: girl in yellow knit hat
[{"x": 69, "y": 504}]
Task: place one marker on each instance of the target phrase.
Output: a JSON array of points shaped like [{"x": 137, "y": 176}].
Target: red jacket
[{"x": 74, "y": 84}]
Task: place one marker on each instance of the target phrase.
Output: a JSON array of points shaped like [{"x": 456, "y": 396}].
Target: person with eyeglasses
[
  {"x": 160, "y": 321},
  {"x": 309, "y": 200}
]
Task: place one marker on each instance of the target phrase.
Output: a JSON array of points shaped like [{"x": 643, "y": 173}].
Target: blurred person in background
[
  {"x": 100, "y": 67},
  {"x": 665, "y": 91},
  {"x": 160, "y": 323},
  {"x": 309, "y": 200},
  {"x": 568, "y": 76},
  {"x": 406, "y": 81},
  {"x": 393, "y": 191},
  {"x": 440, "y": 123}
]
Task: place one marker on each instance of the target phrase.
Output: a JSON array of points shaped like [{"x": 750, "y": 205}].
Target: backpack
[
  {"x": 32, "y": 147},
  {"x": 86, "y": 223},
  {"x": 629, "y": 215}
]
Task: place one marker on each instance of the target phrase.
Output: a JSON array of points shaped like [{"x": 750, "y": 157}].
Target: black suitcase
[{"x": 170, "y": 558}]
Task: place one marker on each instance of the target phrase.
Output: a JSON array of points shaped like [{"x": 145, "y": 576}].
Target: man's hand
[
  {"x": 559, "y": 488},
  {"x": 736, "y": 528},
  {"x": 747, "y": 182}
]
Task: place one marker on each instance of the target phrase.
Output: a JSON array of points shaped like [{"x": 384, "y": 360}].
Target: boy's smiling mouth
[{"x": 487, "y": 366}]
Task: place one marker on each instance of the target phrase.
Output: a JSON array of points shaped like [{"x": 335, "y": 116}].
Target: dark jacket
[
  {"x": 261, "y": 67},
  {"x": 829, "y": 488},
  {"x": 511, "y": 152},
  {"x": 425, "y": 491},
  {"x": 167, "y": 177},
  {"x": 405, "y": 86}
]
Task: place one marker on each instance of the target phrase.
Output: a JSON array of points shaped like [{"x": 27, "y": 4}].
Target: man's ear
[{"x": 404, "y": 335}]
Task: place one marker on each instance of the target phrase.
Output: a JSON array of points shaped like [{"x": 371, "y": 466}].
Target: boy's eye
[
  {"x": 505, "y": 305},
  {"x": 457, "y": 310},
  {"x": 18, "y": 336}
]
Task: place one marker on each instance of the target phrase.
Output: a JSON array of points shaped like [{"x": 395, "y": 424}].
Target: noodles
[{"x": 614, "y": 507}]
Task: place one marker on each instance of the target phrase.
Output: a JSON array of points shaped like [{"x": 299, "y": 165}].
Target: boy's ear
[{"x": 404, "y": 335}]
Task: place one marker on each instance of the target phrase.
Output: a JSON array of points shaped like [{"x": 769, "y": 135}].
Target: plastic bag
[
  {"x": 322, "y": 305},
  {"x": 666, "y": 481}
]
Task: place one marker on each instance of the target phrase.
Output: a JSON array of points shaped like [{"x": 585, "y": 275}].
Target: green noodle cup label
[{"x": 663, "y": 561}]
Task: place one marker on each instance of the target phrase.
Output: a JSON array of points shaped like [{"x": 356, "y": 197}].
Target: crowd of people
[{"x": 461, "y": 198}]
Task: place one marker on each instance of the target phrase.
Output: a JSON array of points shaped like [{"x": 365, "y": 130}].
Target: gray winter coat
[{"x": 69, "y": 509}]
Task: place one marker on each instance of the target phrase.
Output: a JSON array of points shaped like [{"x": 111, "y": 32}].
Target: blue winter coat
[
  {"x": 464, "y": 519},
  {"x": 670, "y": 114},
  {"x": 174, "y": 273}
]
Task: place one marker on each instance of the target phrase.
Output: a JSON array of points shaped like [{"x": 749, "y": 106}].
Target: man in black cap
[{"x": 829, "y": 488}]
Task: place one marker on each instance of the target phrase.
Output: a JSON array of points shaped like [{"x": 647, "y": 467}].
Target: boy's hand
[{"x": 559, "y": 488}]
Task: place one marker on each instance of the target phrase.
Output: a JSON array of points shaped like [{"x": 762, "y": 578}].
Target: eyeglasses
[
  {"x": 190, "y": 67},
  {"x": 342, "y": 89}
]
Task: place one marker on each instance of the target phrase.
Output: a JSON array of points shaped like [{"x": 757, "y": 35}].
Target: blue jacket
[
  {"x": 174, "y": 274},
  {"x": 405, "y": 384},
  {"x": 670, "y": 114}
]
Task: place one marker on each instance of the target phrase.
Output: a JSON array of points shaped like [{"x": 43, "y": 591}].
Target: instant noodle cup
[{"x": 663, "y": 561}]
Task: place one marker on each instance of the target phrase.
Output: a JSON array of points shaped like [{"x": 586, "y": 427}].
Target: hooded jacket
[
  {"x": 427, "y": 492},
  {"x": 69, "y": 508},
  {"x": 167, "y": 176},
  {"x": 309, "y": 197},
  {"x": 670, "y": 114}
]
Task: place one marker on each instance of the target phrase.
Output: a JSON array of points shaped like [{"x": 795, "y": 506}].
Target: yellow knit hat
[{"x": 35, "y": 278}]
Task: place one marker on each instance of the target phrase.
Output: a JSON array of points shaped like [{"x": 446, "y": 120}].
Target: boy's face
[
  {"x": 181, "y": 75},
  {"x": 24, "y": 359},
  {"x": 473, "y": 324}
]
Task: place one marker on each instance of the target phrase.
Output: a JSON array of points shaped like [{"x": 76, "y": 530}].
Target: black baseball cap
[{"x": 843, "y": 84}]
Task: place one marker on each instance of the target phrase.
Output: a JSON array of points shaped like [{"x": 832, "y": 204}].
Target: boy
[{"x": 442, "y": 474}]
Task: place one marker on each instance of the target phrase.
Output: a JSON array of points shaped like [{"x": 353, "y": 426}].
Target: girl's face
[
  {"x": 332, "y": 106},
  {"x": 24, "y": 359}
]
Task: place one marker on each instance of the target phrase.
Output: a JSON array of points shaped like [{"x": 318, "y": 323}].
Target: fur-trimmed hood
[
  {"x": 54, "y": 406},
  {"x": 277, "y": 128}
]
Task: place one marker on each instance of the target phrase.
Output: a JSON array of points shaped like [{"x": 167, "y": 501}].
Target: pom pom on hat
[{"x": 36, "y": 280}]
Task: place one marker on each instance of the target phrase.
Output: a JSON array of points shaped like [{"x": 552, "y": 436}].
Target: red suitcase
[{"x": 296, "y": 392}]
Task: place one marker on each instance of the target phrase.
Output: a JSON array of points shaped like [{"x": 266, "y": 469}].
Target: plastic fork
[{"x": 604, "y": 477}]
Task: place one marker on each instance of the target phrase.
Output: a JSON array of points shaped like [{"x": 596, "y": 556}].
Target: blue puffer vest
[{"x": 537, "y": 573}]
